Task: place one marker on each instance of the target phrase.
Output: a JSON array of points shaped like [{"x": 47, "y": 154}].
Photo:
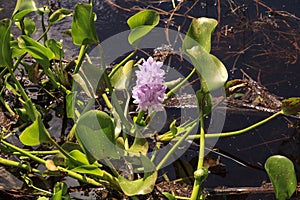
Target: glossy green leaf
[
  {"x": 282, "y": 175},
  {"x": 120, "y": 80},
  {"x": 141, "y": 186},
  {"x": 36, "y": 50},
  {"x": 199, "y": 33},
  {"x": 291, "y": 106},
  {"x": 95, "y": 132},
  {"x": 212, "y": 71},
  {"x": 83, "y": 26},
  {"x": 56, "y": 48},
  {"x": 29, "y": 26},
  {"x": 35, "y": 134},
  {"x": 23, "y": 7},
  {"x": 59, "y": 15},
  {"x": 141, "y": 24},
  {"x": 197, "y": 45},
  {"x": 5, "y": 50}
]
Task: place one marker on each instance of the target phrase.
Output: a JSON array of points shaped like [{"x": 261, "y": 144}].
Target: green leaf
[
  {"x": 141, "y": 186},
  {"x": 5, "y": 51},
  {"x": 197, "y": 45},
  {"x": 16, "y": 50},
  {"x": 212, "y": 71},
  {"x": 61, "y": 191},
  {"x": 291, "y": 106},
  {"x": 120, "y": 80},
  {"x": 89, "y": 169},
  {"x": 29, "y": 26},
  {"x": 282, "y": 175},
  {"x": 36, "y": 50},
  {"x": 35, "y": 134},
  {"x": 95, "y": 133},
  {"x": 23, "y": 7},
  {"x": 56, "y": 48},
  {"x": 199, "y": 33},
  {"x": 70, "y": 104},
  {"x": 141, "y": 24},
  {"x": 59, "y": 15},
  {"x": 83, "y": 26},
  {"x": 140, "y": 145}
]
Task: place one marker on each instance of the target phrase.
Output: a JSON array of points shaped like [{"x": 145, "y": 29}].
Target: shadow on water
[{"x": 261, "y": 38}]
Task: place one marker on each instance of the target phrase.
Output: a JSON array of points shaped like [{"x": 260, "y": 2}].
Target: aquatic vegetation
[{"x": 105, "y": 145}]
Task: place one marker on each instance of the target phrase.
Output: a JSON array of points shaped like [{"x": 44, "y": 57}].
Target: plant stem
[
  {"x": 177, "y": 87},
  {"x": 171, "y": 151},
  {"x": 115, "y": 69},
  {"x": 234, "y": 133},
  {"x": 82, "y": 52},
  {"x": 197, "y": 184},
  {"x": 22, "y": 91},
  {"x": 70, "y": 173},
  {"x": 140, "y": 117},
  {"x": 24, "y": 152},
  {"x": 11, "y": 163}
]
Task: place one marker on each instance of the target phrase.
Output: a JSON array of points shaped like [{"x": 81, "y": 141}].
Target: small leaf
[
  {"x": 59, "y": 15},
  {"x": 141, "y": 186},
  {"x": 56, "y": 48},
  {"x": 35, "y": 134},
  {"x": 199, "y": 33},
  {"x": 282, "y": 175},
  {"x": 29, "y": 26},
  {"x": 16, "y": 50},
  {"x": 169, "y": 196},
  {"x": 79, "y": 156},
  {"x": 5, "y": 51},
  {"x": 36, "y": 50},
  {"x": 23, "y": 7},
  {"x": 234, "y": 86},
  {"x": 83, "y": 26},
  {"x": 141, "y": 24},
  {"x": 95, "y": 133},
  {"x": 291, "y": 106},
  {"x": 120, "y": 80},
  {"x": 50, "y": 165}
]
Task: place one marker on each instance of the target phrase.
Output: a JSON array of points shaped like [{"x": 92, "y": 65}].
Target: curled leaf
[{"x": 291, "y": 106}]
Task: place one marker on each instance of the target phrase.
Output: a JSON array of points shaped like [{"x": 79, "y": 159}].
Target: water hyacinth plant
[{"x": 103, "y": 146}]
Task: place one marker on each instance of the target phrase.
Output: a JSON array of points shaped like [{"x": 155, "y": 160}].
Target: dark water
[{"x": 260, "y": 38}]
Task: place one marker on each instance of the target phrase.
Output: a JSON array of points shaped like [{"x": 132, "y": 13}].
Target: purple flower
[{"x": 149, "y": 91}]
